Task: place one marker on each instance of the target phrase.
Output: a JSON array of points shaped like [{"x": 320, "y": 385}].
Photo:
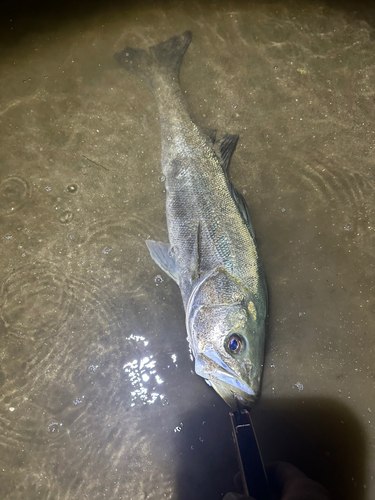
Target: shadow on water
[
  {"x": 320, "y": 436},
  {"x": 38, "y": 16}
]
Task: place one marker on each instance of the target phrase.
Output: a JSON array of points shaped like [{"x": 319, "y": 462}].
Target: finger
[
  {"x": 238, "y": 481},
  {"x": 292, "y": 484},
  {"x": 282, "y": 472},
  {"x": 237, "y": 496}
]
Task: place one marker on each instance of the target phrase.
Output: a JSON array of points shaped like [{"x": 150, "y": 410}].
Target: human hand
[{"x": 288, "y": 483}]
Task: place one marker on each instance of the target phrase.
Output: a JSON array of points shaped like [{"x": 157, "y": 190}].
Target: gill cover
[{"x": 221, "y": 309}]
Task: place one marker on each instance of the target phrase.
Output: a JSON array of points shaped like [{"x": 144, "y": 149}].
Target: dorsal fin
[
  {"x": 224, "y": 148},
  {"x": 243, "y": 209}
]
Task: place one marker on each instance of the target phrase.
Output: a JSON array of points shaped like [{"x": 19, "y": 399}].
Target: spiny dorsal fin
[{"x": 225, "y": 147}]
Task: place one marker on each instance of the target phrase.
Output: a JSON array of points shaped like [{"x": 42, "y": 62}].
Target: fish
[{"x": 212, "y": 252}]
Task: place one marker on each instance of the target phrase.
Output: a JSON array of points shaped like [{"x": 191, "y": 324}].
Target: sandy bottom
[{"x": 98, "y": 398}]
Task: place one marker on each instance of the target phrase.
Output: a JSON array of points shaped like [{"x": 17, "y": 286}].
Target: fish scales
[{"x": 212, "y": 252}]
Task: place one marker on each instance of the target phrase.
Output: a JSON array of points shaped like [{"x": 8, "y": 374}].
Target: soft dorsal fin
[
  {"x": 224, "y": 148},
  {"x": 161, "y": 254},
  {"x": 243, "y": 209}
]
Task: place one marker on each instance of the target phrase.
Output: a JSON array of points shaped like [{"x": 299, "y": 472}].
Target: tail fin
[{"x": 166, "y": 57}]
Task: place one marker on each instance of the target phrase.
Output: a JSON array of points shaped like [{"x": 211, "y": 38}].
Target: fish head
[{"x": 227, "y": 341}]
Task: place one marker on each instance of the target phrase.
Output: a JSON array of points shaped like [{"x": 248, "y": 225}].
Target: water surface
[{"x": 98, "y": 396}]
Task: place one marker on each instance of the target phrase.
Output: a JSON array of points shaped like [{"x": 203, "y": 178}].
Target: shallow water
[{"x": 98, "y": 398}]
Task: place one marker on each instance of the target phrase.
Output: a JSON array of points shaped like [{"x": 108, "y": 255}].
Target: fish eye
[{"x": 234, "y": 343}]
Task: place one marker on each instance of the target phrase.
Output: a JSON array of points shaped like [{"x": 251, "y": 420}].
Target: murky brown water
[{"x": 98, "y": 398}]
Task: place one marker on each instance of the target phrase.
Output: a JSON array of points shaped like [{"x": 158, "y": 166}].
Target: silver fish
[{"x": 212, "y": 252}]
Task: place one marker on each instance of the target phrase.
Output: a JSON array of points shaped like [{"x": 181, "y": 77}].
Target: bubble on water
[
  {"x": 48, "y": 189},
  {"x": 282, "y": 209},
  {"x": 93, "y": 368},
  {"x": 53, "y": 427},
  {"x": 66, "y": 217},
  {"x": 179, "y": 427},
  {"x": 347, "y": 227},
  {"x": 158, "y": 279},
  {"x": 201, "y": 440},
  {"x": 72, "y": 188},
  {"x": 161, "y": 178},
  {"x": 8, "y": 237},
  {"x": 299, "y": 386},
  {"x": 106, "y": 250}
]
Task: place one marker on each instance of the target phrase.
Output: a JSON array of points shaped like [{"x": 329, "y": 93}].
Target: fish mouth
[{"x": 235, "y": 392}]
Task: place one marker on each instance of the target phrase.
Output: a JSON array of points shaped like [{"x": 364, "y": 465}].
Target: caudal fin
[{"x": 164, "y": 58}]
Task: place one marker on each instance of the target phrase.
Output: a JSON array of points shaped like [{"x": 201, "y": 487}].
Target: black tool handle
[{"x": 254, "y": 477}]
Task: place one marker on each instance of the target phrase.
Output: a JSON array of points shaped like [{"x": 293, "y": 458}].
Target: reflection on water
[
  {"x": 98, "y": 397},
  {"x": 144, "y": 379}
]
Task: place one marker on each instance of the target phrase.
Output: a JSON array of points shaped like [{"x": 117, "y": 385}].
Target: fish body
[{"x": 212, "y": 252}]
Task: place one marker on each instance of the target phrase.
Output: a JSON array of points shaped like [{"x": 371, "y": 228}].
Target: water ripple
[
  {"x": 338, "y": 186},
  {"x": 34, "y": 299},
  {"x": 14, "y": 192}
]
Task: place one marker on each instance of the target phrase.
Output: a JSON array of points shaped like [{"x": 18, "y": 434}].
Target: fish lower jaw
[{"x": 237, "y": 395}]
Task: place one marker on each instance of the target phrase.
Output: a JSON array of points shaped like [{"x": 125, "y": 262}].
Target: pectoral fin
[{"x": 161, "y": 254}]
